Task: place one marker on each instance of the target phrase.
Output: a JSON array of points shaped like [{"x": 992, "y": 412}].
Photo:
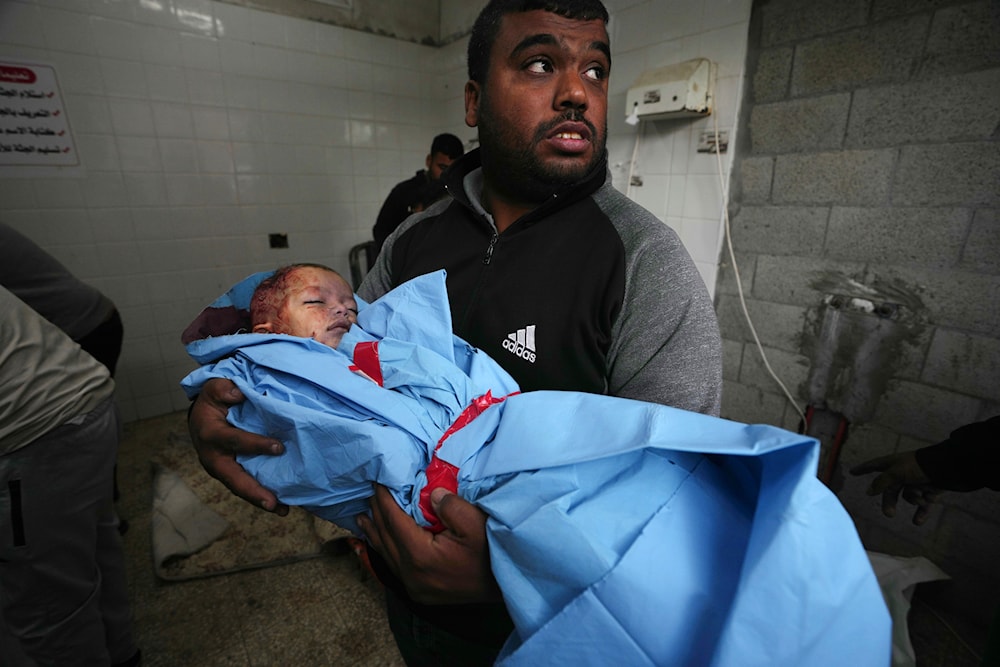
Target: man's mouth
[
  {"x": 571, "y": 129},
  {"x": 570, "y": 137}
]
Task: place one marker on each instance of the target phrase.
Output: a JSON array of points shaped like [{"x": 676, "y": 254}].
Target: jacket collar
[{"x": 464, "y": 182}]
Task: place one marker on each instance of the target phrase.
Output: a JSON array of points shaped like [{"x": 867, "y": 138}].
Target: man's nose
[{"x": 572, "y": 91}]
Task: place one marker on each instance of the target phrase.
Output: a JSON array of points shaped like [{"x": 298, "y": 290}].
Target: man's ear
[
  {"x": 472, "y": 93},
  {"x": 263, "y": 328},
  {"x": 427, "y": 162}
]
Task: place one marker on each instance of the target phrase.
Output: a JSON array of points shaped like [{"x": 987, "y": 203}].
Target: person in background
[
  {"x": 63, "y": 590},
  {"x": 968, "y": 460},
  {"x": 551, "y": 271},
  {"x": 417, "y": 193},
  {"x": 82, "y": 311}
]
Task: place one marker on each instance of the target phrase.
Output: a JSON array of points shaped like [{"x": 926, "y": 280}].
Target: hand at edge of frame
[
  {"x": 900, "y": 474},
  {"x": 217, "y": 443}
]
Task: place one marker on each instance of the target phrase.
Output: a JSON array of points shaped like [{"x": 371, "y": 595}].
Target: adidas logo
[{"x": 521, "y": 343}]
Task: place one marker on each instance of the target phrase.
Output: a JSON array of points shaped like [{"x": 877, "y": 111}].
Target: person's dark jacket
[
  {"x": 968, "y": 460},
  {"x": 414, "y": 194}
]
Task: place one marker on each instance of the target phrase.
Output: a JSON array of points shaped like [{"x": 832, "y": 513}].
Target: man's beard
[{"x": 516, "y": 169}]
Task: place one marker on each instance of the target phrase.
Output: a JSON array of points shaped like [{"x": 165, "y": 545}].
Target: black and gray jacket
[{"x": 588, "y": 292}]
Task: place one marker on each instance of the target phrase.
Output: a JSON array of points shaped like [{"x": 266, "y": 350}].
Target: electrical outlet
[{"x": 706, "y": 142}]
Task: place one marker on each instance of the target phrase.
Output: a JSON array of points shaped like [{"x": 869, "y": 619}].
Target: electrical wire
[
  {"x": 729, "y": 243},
  {"x": 635, "y": 154},
  {"x": 736, "y": 272}
]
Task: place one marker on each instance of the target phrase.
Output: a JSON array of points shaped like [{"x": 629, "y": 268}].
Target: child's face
[{"x": 318, "y": 305}]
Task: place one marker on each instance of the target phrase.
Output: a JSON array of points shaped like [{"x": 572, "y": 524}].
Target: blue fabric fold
[{"x": 620, "y": 532}]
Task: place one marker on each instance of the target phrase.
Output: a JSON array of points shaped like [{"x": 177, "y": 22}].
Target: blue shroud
[{"x": 620, "y": 532}]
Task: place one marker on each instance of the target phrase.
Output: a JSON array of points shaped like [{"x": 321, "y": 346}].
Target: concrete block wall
[{"x": 868, "y": 166}]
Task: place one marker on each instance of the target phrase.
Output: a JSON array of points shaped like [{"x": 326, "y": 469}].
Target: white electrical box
[{"x": 676, "y": 91}]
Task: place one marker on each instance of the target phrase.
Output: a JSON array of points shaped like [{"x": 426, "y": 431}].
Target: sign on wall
[{"x": 34, "y": 128}]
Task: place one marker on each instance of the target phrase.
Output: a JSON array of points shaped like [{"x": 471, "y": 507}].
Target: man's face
[
  {"x": 436, "y": 164},
  {"x": 318, "y": 304},
  {"x": 542, "y": 111}
]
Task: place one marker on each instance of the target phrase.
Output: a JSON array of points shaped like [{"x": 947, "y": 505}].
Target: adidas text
[{"x": 522, "y": 343}]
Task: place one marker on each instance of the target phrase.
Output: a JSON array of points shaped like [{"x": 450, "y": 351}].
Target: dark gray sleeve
[
  {"x": 666, "y": 346},
  {"x": 41, "y": 281},
  {"x": 379, "y": 278}
]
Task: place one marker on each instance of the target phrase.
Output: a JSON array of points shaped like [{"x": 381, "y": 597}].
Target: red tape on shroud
[
  {"x": 443, "y": 474},
  {"x": 366, "y": 360}
]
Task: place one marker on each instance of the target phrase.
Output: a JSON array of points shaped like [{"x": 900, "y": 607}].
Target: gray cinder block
[
  {"x": 858, "y": 178},
  {"x": 963, "y": 174},
  {"x": 811, "y": 124},
  {"x": 963, "y": 362},
  {"x": 924, "y": 236},
  {"x": 882, "y": 53}
]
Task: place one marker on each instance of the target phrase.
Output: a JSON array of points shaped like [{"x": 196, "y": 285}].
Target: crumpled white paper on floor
[{"x": 897, "y": 577}]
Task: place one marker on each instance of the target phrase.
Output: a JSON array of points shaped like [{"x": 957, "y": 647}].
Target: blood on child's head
[
  {"x": 269, "y": 297},
  {"x": 306, "y": 300}
]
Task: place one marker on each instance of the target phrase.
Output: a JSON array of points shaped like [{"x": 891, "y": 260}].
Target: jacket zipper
[{"x": 489, "y": 249}]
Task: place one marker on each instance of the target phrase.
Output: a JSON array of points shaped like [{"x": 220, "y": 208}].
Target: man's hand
[
  {"x": 900, "y": 473},
  {"x": 452, "y": 567},
  {"x": 217, "y": 443}
]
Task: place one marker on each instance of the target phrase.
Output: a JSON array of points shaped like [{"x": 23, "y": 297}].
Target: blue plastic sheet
[{"x": 620, "y": 532}]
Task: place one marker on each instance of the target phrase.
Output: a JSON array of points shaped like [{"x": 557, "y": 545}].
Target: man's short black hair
[
  {"x": 448, "y": 144},
  {"x": 484, "y": 31}
]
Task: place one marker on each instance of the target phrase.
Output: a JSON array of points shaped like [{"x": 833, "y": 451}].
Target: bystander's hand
[
  {"x": 900, "y": 474},
  {"x": 218, "y": 442},
  {"x": 451, "y": 567}
]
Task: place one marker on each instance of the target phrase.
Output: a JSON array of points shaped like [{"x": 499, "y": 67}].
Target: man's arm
[
  {"x": 900, "y": 474},
  {"x": 666, "y": 346},
  {"x": 379, "y": 278},
  {"x": 968, "y": 460},
  {"x": 218, "y": 442}
]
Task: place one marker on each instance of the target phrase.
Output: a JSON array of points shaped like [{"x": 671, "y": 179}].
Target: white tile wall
[
  {"x": 203, "y": 126},
  {"x": 656, "y": 33}
]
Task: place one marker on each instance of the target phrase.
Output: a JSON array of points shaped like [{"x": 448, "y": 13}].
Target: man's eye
[
  {"x": 539, "y": 66},
  {"x": 597, "y": 73},
  {"x": 313, "y": 301}
]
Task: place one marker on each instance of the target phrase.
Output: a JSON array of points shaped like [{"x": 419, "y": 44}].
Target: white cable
[
  {"x": 736, "y": 272},
  {"x": 631, "y": 165}
]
